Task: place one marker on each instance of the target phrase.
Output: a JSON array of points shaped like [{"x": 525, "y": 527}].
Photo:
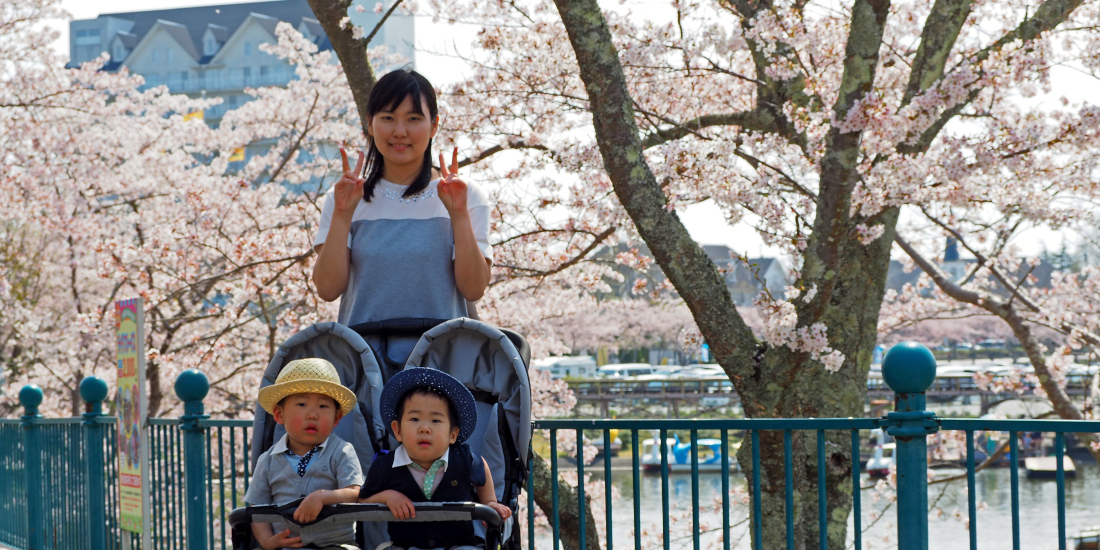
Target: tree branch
[{"x": 1057, "y": 395}]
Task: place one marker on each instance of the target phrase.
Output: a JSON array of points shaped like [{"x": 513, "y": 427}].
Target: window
[
  {"x": 264, "y": 71},
  {"x": 150, "y": 80},
  {"x": 210, "y": 47},
  {"x": 184, "y": 75},
  {"x": 156, "y": 55},
  {"x": 87, "y": 37},
  {"x": 168, "y": 55},
  {"x": 246, "y": 74},
  {"x": 119, "y": 52},
  {"x": 247, "y": 49}
]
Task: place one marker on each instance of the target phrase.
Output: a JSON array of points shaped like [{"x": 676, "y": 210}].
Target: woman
[{"x": 396, "y": 243}]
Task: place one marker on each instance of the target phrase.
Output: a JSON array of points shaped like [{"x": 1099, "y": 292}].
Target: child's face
[
  {"x": 308, "y": 419},
  {"x": 425, "y": 428}
]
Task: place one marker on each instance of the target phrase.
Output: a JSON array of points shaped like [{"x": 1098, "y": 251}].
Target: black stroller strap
[{"x": 408, "y": 326}]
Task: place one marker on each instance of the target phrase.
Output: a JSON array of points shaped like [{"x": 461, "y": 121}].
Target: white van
[{"x": 582, "y": 366}]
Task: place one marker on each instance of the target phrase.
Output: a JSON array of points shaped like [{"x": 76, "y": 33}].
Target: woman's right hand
[{"x": 348, "y": 191}]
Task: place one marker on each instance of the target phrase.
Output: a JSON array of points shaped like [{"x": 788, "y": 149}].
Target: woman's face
[{"x": 402, "y": 135}]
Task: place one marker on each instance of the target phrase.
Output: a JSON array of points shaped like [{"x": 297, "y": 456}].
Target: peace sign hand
[
  {"x": 349, "y": 189},
  {"x": 452, "y": 190}
]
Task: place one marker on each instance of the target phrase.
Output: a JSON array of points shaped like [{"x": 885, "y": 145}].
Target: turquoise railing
[{"x": 58, "y": 477}]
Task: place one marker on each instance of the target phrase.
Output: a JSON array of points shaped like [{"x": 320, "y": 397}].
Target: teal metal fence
[{"x": 59, "y": 477}]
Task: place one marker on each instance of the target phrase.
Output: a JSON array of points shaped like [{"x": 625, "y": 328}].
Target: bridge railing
[{"x": 59, "y": 477}]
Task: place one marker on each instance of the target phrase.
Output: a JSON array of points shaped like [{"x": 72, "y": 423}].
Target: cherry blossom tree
[
  {"x": 815, "y": 122},
  {"x": 111, "y": 193}
]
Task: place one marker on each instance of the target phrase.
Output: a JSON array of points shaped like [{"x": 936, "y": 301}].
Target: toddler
[
  {"x": 431, "y": 414},
  {"x": 308, "y": 461}
]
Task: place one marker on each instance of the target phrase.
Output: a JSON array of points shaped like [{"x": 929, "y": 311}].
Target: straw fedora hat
[{"x": 307, "y": 376}]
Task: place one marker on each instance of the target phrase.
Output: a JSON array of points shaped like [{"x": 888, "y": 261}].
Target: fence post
[
  {"x": 909, "y": 369},
  {"x": 93, "y": 390},
  {"x": 30, "y": 397},
  {"x": 191, "y": 387}
]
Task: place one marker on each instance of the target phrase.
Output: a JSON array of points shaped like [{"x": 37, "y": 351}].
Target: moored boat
[
  {"x": 679, "y": 455},
  {"x": 1046, "y": 467},
  {"x": 1088, "y": 539}
]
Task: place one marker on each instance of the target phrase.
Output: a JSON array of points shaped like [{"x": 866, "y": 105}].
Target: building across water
[{"x": 214, "y": 51}]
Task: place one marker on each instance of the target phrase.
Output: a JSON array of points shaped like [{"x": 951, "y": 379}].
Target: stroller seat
[{"x": 492, "y": 367}]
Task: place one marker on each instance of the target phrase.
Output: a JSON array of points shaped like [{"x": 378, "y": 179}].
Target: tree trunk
[
  {"x": 850, "y": 278},
  {"x": 569, "y": 527},
  {"x": 351, "y": 51}
]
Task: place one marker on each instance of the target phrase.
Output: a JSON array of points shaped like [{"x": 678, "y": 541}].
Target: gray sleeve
[
  {"x": 346, "y": 466},
  {"x": 259, "y": 490}
]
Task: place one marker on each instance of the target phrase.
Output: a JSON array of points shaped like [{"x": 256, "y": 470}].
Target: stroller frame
[{"x": 517, "y": 352}]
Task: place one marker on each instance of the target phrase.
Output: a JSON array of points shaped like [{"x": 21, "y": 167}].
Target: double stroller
[{"x": 490, "y": 362}]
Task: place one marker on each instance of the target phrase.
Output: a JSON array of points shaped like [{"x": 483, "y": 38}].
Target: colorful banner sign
[{"x": 133, "y": 465}]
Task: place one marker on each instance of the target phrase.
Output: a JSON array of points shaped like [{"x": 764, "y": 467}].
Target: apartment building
[{"x": 214, "y": 51}]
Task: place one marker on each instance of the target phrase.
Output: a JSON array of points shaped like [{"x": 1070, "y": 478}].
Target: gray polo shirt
[{"x": 276, "y": 481}]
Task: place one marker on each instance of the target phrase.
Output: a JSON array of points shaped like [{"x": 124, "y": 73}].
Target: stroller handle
[{"x": 347, "y": 513}]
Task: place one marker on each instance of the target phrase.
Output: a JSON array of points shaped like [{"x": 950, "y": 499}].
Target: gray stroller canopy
[
  {"x": 359, "y": 372},
  {"x": 485, "y": 360}
]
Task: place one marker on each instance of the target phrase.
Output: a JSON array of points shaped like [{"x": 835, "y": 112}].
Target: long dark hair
[{"x": 387, "y": 94}]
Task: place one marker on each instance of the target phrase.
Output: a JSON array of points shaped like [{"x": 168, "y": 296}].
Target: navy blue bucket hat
[{"x": 410, "y": 378}]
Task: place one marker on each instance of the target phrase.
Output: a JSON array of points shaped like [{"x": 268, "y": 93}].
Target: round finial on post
[
  {"x": 93, "y": 390},
  {"x": 191, "y": 387},
  {"x": 30, "y": 397},
  {"x": 909, "y": 367}
]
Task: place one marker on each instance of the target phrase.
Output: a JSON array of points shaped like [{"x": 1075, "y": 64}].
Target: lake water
[{"x": 1038, "y": 511}]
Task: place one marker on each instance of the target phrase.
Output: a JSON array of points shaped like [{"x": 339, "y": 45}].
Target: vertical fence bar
[
  {"x": 757, "y": 531},
  {"x": 909, "y": 369},
  {"x": 695, "y": 489},
  {"x": 530, "y": 502},
  {"x": 857, "y": 520},
  {"x": 822, "y": 495},
  {"x": 191, "y": 387},
  {"x": 232, "y": 472},
  {"x": 30, "y": 397},
  {"x": 156, "y": 492},
  {"x": 1014, "y": 458},
  {"x": 637, "y": 490},
  {"x": 971, "y": 491},
  {"x": 93, "y": 390},
  {"x": 176, "y": 493},
  {"x": 221, "y": 478},
  {"x": 209, "y": 487},
  {"x": 725, "y": 490},
  {"x": 665, "y": 527},
  {"x": 248, "y": 460},
  {"x": 554, "y": 486},
  {"x": 788, "y": 481},
  {"x": 581, "y": 519},
  {"x": 1059, "y": 455},
  {"x": 607, "y": 483}
]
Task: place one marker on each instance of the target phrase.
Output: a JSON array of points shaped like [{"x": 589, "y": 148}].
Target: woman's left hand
[{"x": 452, "y": 190}]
